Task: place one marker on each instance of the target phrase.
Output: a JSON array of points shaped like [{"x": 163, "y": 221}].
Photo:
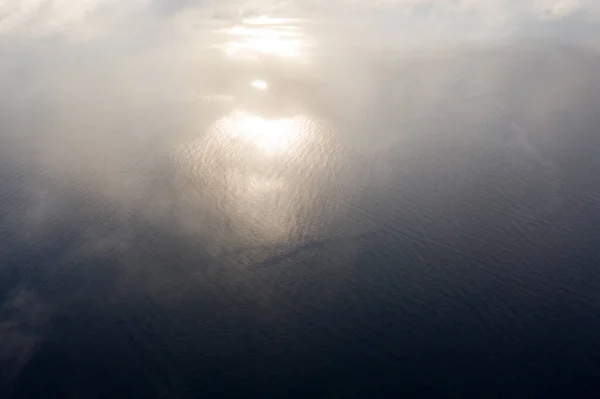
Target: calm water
[{"x": 265, "y": 210}]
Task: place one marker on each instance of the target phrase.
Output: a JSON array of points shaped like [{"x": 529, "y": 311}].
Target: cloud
[
  {"x": 557, "y": 9},
  {"x": 51, "y": 17},
  {"x": 23, "y": 318},
  {"x": 82, "y": 19}
]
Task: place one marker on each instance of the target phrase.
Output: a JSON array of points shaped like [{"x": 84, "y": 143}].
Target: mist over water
[{"x": 271, "y": 207}]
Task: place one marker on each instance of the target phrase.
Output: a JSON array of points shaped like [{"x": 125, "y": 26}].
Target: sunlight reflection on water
[
  {"x": 271, "y": 136},
  {"x": 261, "y": 170},
  {"x": 264, "y": 36},
  {"x": 268, "y": 160}
]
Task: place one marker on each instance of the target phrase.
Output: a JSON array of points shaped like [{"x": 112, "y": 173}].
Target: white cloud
[
  {"x": 46, "y": 17},
  {"x": 558, "y": 8},
  {"x": 86, "y": 17}
]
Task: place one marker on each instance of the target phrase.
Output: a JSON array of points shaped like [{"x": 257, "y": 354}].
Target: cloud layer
[{"x": 90, "y": 18}]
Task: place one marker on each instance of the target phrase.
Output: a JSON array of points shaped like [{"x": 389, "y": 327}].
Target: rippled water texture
[{"x": 279, "y": 208}]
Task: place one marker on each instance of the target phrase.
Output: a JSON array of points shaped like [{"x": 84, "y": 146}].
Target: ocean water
[{"x": 264, "y": 212}]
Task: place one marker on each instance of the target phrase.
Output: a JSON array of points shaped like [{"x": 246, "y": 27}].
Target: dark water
[{"x": 371, "y": 224}]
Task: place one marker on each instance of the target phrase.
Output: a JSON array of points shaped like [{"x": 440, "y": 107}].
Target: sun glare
[
  {"x": 265, "y": 36},
  {"x": 270, "y": 136},
  {"x": 259, "y": 84}
]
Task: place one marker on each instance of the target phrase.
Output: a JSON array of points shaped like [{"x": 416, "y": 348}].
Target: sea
[{"x": 264, "y": 209}]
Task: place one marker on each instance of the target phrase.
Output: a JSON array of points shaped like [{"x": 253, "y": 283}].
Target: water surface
[{"x": 266, "y": 209}]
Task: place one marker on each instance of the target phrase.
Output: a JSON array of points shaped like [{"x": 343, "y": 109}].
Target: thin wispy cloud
[{"x": 23, "y": 318}]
